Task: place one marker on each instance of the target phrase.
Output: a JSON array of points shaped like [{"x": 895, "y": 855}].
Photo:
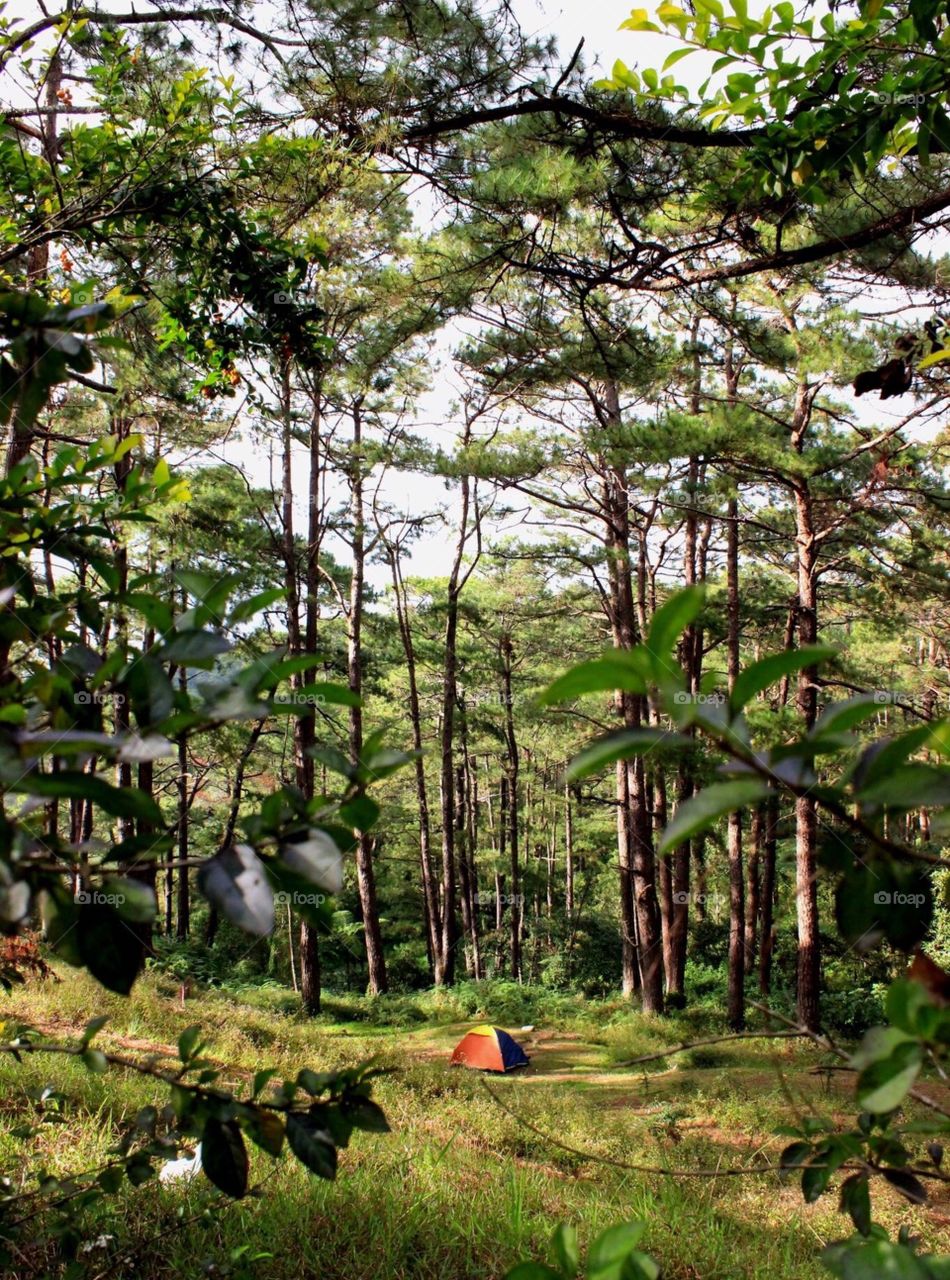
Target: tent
[{"x": 489, "y": 1049}]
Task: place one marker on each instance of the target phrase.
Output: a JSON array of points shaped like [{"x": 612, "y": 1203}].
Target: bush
[{"x": 852, "y": 1012}]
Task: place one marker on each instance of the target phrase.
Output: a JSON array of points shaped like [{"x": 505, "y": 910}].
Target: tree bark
[
  {"x": 430, "y": 898},
  {"x": 806, "y": 819},
  {"x": 736, "y": 982},
  {"x": 365, "y": 873},
  {"x": 512, "y": 763}
]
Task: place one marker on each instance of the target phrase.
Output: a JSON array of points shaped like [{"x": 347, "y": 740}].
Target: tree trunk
[
  {"x": 365, "y": 873},
  {"x": 753, "y": 906},
  {"x": 806, "y": 819},
  {"x": 430, "y": 899},
  {"x": 568, "y": 855},
  {"x": 767, "y": 935},
  {"x": 735, "y": 1005},
  {"x": 512, "y": 772}
]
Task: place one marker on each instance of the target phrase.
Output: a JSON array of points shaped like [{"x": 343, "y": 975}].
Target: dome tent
[{"x": 488, "y": 1048}]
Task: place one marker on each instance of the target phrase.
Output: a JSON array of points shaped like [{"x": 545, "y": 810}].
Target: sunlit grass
[{"x": 462, "y": 1187}]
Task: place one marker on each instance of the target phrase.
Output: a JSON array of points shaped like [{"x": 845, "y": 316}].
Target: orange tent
[{"x": 489, "y": 1049}]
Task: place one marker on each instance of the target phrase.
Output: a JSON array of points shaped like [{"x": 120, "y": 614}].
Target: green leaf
[
  {"x": 121, "y": 802},
  {"x": 315, "y": 859},
  {"x": 913, "y": 786},
  {"x": 363, "y": 1113},
  {"x": 882, "y": 1086},
  {"x": 628, "y": 670},
  {"x": 840, "y": 717},
  {"x": 795, "y": 1154},
  {"x": 377, "y": 765},
  {"x": 361, "y": 812},
  {"x": 188, "y": 1043},
  {"x": 60, "y": 915},
  {"x": 224, "y": 1157},
  {"x": 245, "y": 609},
  {"x": 333, "y": 758},
  {"x": 621, "y": 745},
  {"x": 911, "y": 1188},
  {"x": 108, "y": 948},
  {"x": 134, "y": 900},
  {"x": 333, "y": 695},
  {"x": 677, "y": 56},
  {"x": 261, "y": 1079},
  {"x": 235, "y": 882},
  {"x": 639, "y": 1266},
  {"x": 874, "y": 1260},
  {"x": 565, "y": 1248},
  {"x": 96, "y": 1061},
  {"x": 110, "y": 1180},
  {"x": 761, "y": 675},
  {"x": 683, "y": 607},
  {"x": 92, "y": 1028},
  {"x": 266, "y": 1130},
  {"x": 312, "y": 1144},
  {"x": 701, "y": 810},
  {"x": 194, "y": 648},
  {"x": 815, "y": 1179},
  {"x": 856, "y": 1201},
  {"x": 606, "y": 1255}
]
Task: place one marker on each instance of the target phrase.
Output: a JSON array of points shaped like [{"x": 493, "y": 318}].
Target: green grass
[{"x": 460, "y": 1188}]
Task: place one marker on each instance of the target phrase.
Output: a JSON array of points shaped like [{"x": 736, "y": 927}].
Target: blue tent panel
[{"x": 512, "y": 1054}]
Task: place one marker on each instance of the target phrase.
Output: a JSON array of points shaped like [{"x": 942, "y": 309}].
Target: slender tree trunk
[
  {"x": 806, "y": 818},
  {"x": 753, "y": 906},
  {"x": 630, "y": 964},
  {"x": 365, "y": 873},
  {"x": 767, "y": 945},
  {"x": 641, "y": 861},
  {"x": 469, "y": 781},
  {"x": 512, "y": 773},
  {"x": 736, "y": 983},
  {"x": 568, "y": 854},
  {"x": 430, "y": 898}
]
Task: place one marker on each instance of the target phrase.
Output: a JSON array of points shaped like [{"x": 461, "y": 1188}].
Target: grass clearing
[{"x": 460, "y": 1188}]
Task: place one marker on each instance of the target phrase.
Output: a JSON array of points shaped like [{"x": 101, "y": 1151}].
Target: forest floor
[{"x": 476, "y": 1171}]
